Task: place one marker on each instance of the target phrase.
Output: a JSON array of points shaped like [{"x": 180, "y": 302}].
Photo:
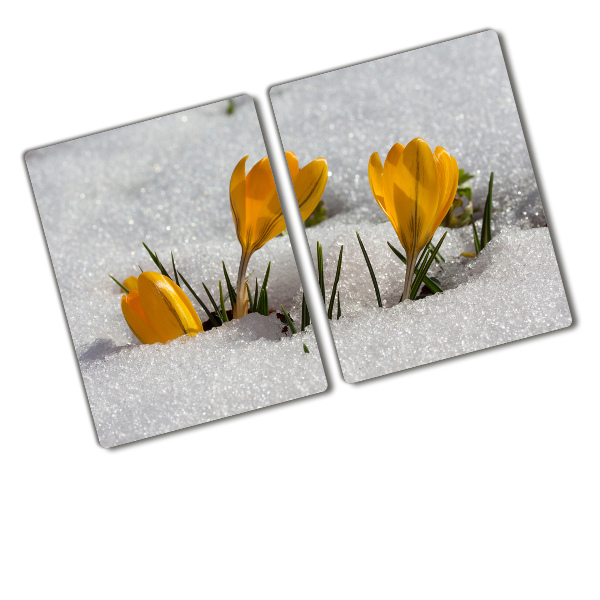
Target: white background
[{"x": 476, "y": 477}]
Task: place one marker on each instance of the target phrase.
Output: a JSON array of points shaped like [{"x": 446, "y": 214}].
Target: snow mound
[
  {"x": 511, "y": 291},
  {"x": 165, "y": 182},
  {"x": 138, "y": 391}
]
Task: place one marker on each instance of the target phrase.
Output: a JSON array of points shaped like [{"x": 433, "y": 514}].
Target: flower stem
[
  {"x": 241, "y": 303},
  {"x": 411, "y": 259}
]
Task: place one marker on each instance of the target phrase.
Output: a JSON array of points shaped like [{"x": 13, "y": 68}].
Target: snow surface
[
  {"x": 165, "y": 182},
  {"x": 457, "y": 95},
  {"x": 511, "y": 291}
]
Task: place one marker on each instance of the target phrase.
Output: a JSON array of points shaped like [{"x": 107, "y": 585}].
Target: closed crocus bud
[
  {"x": 415, "y": 189},
  {"x": 158, "y": 310},
  {"x": 131, "y": 283},
  {"x": 256, "y": 210}
]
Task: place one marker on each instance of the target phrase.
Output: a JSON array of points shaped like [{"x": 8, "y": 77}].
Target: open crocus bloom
[
  {"x": 159, "y": 310},
  {"x": 257, "y": 213},
  {"x": 414, "y": 188}
]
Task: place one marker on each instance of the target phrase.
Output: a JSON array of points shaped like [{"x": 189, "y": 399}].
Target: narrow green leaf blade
[
  {"x": 305, "y": 314},
  {"x": 289, "y": 320},
  {"x": 335, "y": 284},
  {"x": 475, "y": 237},
  {"x": 119, "y": 284},
  {"x": 212, "y": 301},
  {"x": 266, "y": 279},
  {"x": 231, "y": 291},
  {"x": 211, "y": 318},
  {"x": 156, "y": 261},
  {"x": 486, "y": 227},
  {"x": 223, "y": 309},
  {"x": 263, "y": 299},
  {"x": 320, "y": 270},
  {"x": 419, "y": 279},
  {"x": 434, "y": 287},
  {"x": 250, "y": 303},
  {"x": 438, "y": 257},
  {"x": 371, "y": 272},
  {"x": 174, "y": 269},
  {"x": 256, "y": 295},
  {"x": 306, "y": 350},
  {"x": 422, "y": 256}
]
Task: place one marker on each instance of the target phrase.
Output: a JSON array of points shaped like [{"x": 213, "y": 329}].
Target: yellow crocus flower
[
  {"x": 131, "y": 283},
  {"x": 159, "y": 310},
  {"x": 257, "y": 213},
  {"x": 415, "y": 189}
]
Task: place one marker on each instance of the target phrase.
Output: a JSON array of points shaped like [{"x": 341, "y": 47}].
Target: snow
[
  {"x": 165, "y": 182},
  {"x": 457, "y": 95},
  {"x": 511, "y": 291}
]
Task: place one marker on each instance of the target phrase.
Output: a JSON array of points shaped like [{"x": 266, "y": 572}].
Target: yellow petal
[
  {"x": 376, "y": 181},
  {"x": 292, "y": 162},
  {"x": 167, "y": 308},
  {"x": 259, "y": 182},
  {"x": 262, "y": 205},
  {"x": 309, "y": 186},
  {"x": 415, "y": 194},
  {"x": 376, "y": 177},
  {"x": 131, "y": 283},
  {"x": 237, "y": 199},
  {"x": 134, "y": 315},
  {"x": 268, "y": 223},
  {"x": 389, "y": 168},
  {"x": 445, "y": 168},
  {"x": 448, "y": 180}
]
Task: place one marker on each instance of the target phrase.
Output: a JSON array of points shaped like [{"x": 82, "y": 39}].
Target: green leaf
[
  {"x": 429, "y": 282},
  {"x": 223, "y": 309},
  {"x": 335, "y": 284},
  {"x": 475, "y": 237},
  {"x": 289, "y": 321},
  {"x": 464, "y": 191},
  {"x": 463, "y": 177},
  {"x": 320, "y": 270},
  {"x": 263, "y": 304},
  {"x": 371, "y": 272},
  {"x": 211, "y": 318},
  {"x": 119, "y": 284},
  {"x": 438, "y": 257},
  {"x": 256, "y": 295},
  {"x": 306, "y": 350},
  {"x": 230, "y": 106},
  {"x": 250, "y": 303},
  {"x": 212, "y": 301},
  {"x": 339, "y": 309},
  {"x": 174, "y": 269},
  {"x": 317, "y": 215},
  {"x": 305, "y": 314},
  {"x": 231, "y": 291},
  {"x": 263, "y": 300},
  {"x": 156, "y": 261},
  {"x": 423, "y": 256},
  {"x": 424, "y": 268},
  {"x": 486, "y": 226}
]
